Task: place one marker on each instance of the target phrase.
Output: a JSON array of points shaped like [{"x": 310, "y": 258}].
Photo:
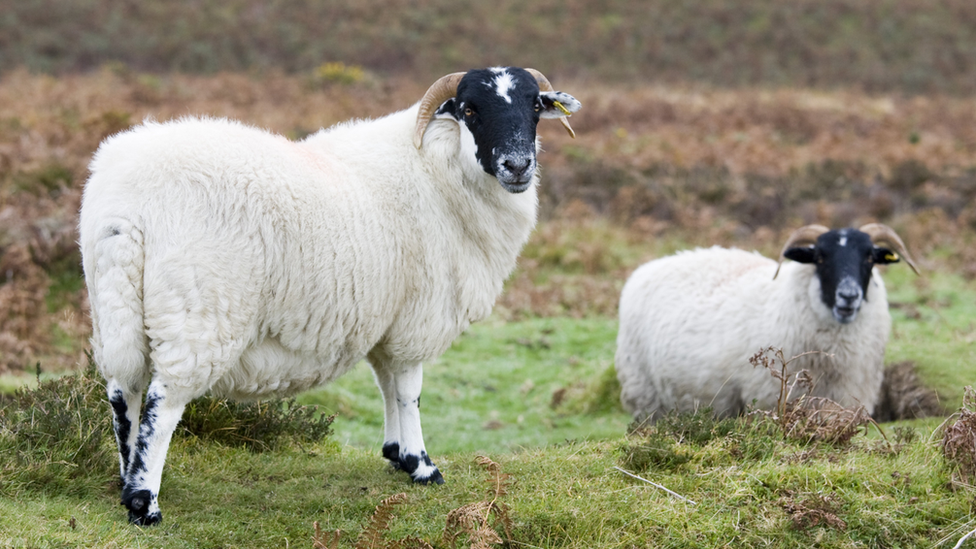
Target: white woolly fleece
[
  {"x": 250, "y": 264},
  {"x": 690, "y": 322}
]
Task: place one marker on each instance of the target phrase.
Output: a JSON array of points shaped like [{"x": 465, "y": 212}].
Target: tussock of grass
[
  {"x": 257, "y": 426},
  {"x": 57, "y": 438}
]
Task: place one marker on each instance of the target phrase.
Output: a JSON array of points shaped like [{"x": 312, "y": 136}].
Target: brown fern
[
  {"x": 325, "y": 540},
  {"x": 409, "y": 542},
  {"x": 959, "y": 442},
  {"x": 473, "y": 519},
  {"x": 808, "y": 418},
  {"x": 372, "y": 536}
]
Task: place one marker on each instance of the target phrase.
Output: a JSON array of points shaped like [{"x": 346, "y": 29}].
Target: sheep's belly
[{"x": 271, "y": 370}]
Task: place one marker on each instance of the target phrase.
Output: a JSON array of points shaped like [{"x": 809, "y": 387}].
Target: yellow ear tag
[
  {"x": 562, "y": 108},
  {"x": 892, "y": 257}
]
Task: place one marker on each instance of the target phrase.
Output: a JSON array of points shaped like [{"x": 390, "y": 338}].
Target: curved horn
[
  {"x": 801, "y": 237},
  {"x": 544, "y": 85},
  {"x": 883, "y": 234},
  {"x": 439, "y": 92}
]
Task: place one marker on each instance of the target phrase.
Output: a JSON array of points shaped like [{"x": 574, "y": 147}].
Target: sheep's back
[{"x": 247, "y": 238}]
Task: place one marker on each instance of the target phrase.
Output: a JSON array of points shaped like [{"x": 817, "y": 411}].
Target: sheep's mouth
[
  {"x": 517, "y": 187},
  {"x": 845, "y": 315}
]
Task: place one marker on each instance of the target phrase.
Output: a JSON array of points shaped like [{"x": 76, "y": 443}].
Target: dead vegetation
[
  {"x": 959, "y": 443},
  {"x": 674, "y": 164},
  {"x": 473, "y": 520},
  {"x": 476, "y": 522},
  {"x": 806, "y": 418},
  {"x": 813, "y": 510}
]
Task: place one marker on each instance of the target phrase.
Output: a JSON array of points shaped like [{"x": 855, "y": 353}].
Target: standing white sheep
[
  {"x": 223, "y": 258},
  {"x": 690, "y": 322}
]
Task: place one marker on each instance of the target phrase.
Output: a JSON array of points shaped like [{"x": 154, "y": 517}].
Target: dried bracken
[
  {"x": 640, "y": 170},
  {"x": 372, "y": 535},
  {"x": 815, "y": 510},
  {"x": 325, "y": 540},
  {"x": 959, "y": 442},
  {"x": 473, "y": 519},
  {"x": 808, "y": 418}
]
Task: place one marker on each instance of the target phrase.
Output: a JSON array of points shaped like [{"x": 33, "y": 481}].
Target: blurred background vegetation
[
  {"x": 908, "y": 46},
  {"x": 704, "y": 122}
]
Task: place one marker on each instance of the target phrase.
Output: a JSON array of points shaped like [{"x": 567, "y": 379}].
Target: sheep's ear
[
  {"x": 446, "y": 110},
  {"x": 801, "y": 255},
  {"x": 557, "y": 104},
  {"x": 883, "y": 256}
]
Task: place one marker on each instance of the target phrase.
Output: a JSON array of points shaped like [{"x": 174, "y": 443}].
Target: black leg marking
[
  {"x": 122, "y": 427},
  {"x": 146, "y": 428},
  {"x": 137, "y": 502},
  {"x": 410, "y": 463},
  {"x": 391, "y": 451}
]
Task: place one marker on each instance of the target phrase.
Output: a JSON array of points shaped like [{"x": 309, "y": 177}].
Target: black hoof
[
  {"x": 137, "y": 502},
  {"x": 148, "y": 519},
  {"x": 434, "y": 478},
  {"x": 391, "y": 451}
]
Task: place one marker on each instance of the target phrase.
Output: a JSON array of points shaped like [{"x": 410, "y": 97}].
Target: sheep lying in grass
[
  {"x": 689, "y": 322},
  {"x": 222, "y": 258}
]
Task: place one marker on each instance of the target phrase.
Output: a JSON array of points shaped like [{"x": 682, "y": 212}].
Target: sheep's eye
[
  {"x": 468, "y": 111},
  {"x": 538, "y": 107}
]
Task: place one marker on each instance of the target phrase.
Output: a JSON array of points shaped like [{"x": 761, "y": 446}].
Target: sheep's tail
[{"x": 114, "y": 259}]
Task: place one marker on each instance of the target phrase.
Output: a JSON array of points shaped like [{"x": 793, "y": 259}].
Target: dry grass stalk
[
  {"x": 808, "y": 418},
  {"x": 473, "y": 519},
  {"x": 959, "y": 442}
]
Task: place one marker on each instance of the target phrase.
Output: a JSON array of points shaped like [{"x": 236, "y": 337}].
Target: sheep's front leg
[
  {"x": 386, "y": 381},
  {"x": 413, "y": 455},
  {"x": 404, "y": 438},
  {"x": 160, "y": 414}
]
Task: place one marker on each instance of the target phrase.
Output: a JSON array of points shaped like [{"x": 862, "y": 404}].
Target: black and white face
[
  {"x": 497, "y": 110},
  {"x": 844, "y": 260}
]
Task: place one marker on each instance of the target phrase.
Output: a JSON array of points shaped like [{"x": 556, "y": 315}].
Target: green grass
[
  {"x": 934, "y": 324},
  {"x": 493, "y": 391},
  {"x": 565, "y": 495}
]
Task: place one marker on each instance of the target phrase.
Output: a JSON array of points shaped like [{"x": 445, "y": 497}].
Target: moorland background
[{"x": 704, "y": 122}]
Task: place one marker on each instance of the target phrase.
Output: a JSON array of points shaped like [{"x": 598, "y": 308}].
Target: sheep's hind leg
[
  {"x": 413, "y": 455},
  {"x": 125, "y": 415},
  {"x": 386, "y": 381},
  {"x": 160, "y": 414}
]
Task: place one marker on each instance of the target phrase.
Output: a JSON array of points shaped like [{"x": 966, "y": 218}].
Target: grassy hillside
[
  {"x": 911, "y": 46},
  {"x": 495, "y": 394},
  {"x": 654, "y": 169}
]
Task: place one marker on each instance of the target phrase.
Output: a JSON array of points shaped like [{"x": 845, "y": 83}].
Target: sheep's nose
[
  {"x": 848, "y": 295},
  {"x": 516, "y": 167}
]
